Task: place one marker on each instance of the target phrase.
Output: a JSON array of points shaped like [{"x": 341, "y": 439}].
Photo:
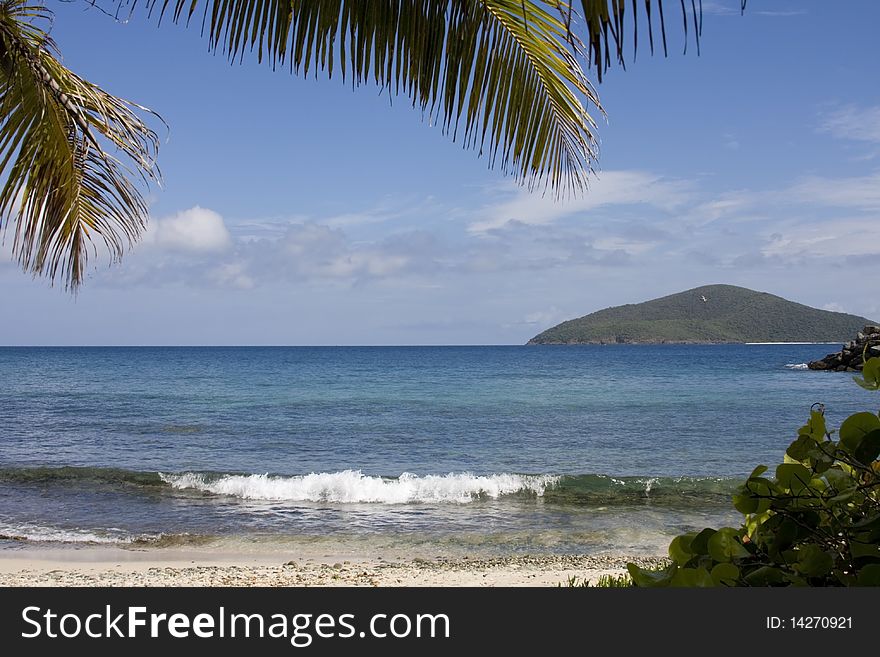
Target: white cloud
[
  {"x": 195, "y": 230},
  {"x": 721, "y": 9},
  {"x": 232, "y": 274},
  {"x": 610, "y": 188},
  {"x": 835, "y": 238},
  {"x": 851, "y": 122},
  {"x": 857, "y": 192},
  {"x": 630, "y": 221},
  {"x": 781, "y": 13},
  {"x": 548, "y": 317},
  {"x": 724, "y": 206}
]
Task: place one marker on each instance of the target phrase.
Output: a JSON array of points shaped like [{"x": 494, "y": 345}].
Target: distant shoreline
[
  {"x": 671, "y": 343},
  {"x": 837, "y": 342}
]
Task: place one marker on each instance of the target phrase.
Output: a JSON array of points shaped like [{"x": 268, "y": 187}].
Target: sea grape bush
[{"x": 815, "y": 523}]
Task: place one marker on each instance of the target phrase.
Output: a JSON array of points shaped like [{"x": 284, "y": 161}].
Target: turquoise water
[{"x": 492, "y": 449}]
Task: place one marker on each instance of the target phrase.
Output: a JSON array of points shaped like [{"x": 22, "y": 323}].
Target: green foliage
[
  {"x": 503, "y": 77},
  {"x": 71, "y": 154},
  {"x": 500, "y": 76},
  {"x": 815, "y": 523},
  {"x": 604, "y": 582},
  {"x": 728, "y": 314},
  {"x": 870, "y": 379}
]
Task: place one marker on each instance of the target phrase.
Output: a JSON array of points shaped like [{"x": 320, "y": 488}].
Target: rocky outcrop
[{"x": 854, "y": 353}]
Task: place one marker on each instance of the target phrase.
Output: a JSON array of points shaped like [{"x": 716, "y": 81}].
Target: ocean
[{"x": 427, "y": 451}]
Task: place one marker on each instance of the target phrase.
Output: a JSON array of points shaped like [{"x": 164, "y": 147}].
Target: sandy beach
[{"x": 117, "y": 567}]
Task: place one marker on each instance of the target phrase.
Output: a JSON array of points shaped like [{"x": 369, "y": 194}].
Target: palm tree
[{"x": 502, "y": 76}]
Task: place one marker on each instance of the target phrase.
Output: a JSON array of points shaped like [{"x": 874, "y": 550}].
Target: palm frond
[
  {"x": 501, "y": 76},
  {"x": 606, "y": 27},
  {"x": 60, "y": 188}
]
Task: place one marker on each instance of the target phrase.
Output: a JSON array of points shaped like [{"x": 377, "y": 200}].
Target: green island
[{"x": 708, "y": 314}]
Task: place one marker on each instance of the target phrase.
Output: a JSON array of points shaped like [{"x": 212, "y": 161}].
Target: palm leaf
[
  {"x": 501, "y": 76},
  {"x": 61, "y": 189},
  {"x": 606, "y": 27}
]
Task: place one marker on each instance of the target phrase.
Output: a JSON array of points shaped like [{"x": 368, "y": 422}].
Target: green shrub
[
  {"x": 604, "y": 582},
  {"x": 815, "y": 523}
]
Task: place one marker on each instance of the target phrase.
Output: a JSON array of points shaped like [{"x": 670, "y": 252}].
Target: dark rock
[{"x": 852, "y": 355}]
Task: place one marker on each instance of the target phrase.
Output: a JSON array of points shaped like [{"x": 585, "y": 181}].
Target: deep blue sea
[{"x": 434, "y": 450}]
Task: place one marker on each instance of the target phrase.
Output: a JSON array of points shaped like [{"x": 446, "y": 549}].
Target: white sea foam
[
  {"x": 797, "y": 366},
  {"x": 352, "y": 486},
  {"x": 44, "y": 534}
]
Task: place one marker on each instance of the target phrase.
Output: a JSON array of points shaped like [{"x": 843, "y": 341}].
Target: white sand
[{"x": 119, "y": 567}]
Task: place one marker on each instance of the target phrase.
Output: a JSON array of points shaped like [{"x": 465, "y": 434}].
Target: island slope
[{"x": 708, "y": 314}]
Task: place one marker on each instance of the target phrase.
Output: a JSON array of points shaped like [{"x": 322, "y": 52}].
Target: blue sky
[{"x": 299, "y": 211}]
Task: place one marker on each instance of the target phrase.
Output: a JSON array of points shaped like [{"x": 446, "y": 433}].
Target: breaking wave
[
  {"x": 44, "y": 534},
  {"x": 352, "y": 486},
  {"x": 355, "y": 487}
]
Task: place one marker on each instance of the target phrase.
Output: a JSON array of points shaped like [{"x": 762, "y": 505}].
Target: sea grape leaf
[
  {"x": 725, "y": 574},
  {"x": 870, "y": 379},
  {"x": 757, "y": 472},
  {"x": 786, "y": 534},
  {"x": 815, "y": 428},
  {"x": 839, "y": 479},
  {"x": 868, "y": 522},
  {"x": 765, "y": 576},
  {"x": 680, "y": 549},
  {"x": 700, "y": 543},
  {"x": 650, "y": 578},
  {"x": 813, "y": 561},
  {"x": 746, "y": 502},
  {"x": 866, "y": 552},
  {"x": 795, "y": 580},
  {"x": 869, "y": 448},
  {"x": 856, "y": 427},
  {"x": 793, "y": 476},
  {"x": 756, "y": 521},
  {"x": 820, "y": 461},
  {"x": 800, "y": 449},
  {"x": 869, "y": 575},
  {"x": 754, "y": 496},
  {"x": 692, "y": 577},
  {"x": 724, "y": 545}
]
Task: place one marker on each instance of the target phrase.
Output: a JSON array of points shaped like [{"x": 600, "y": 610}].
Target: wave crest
[
  {"x": 31, "y": 532},
  {"x": 352, "y": 486}
]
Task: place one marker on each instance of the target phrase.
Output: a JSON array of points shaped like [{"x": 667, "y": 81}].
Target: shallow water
[{"x": 491, "y": 449}]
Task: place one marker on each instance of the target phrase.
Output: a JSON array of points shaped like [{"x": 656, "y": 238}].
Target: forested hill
[{"x": 708, "y": 314}]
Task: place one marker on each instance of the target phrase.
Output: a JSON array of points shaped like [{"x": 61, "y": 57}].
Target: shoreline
[{"x": 173, "y": 568}]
